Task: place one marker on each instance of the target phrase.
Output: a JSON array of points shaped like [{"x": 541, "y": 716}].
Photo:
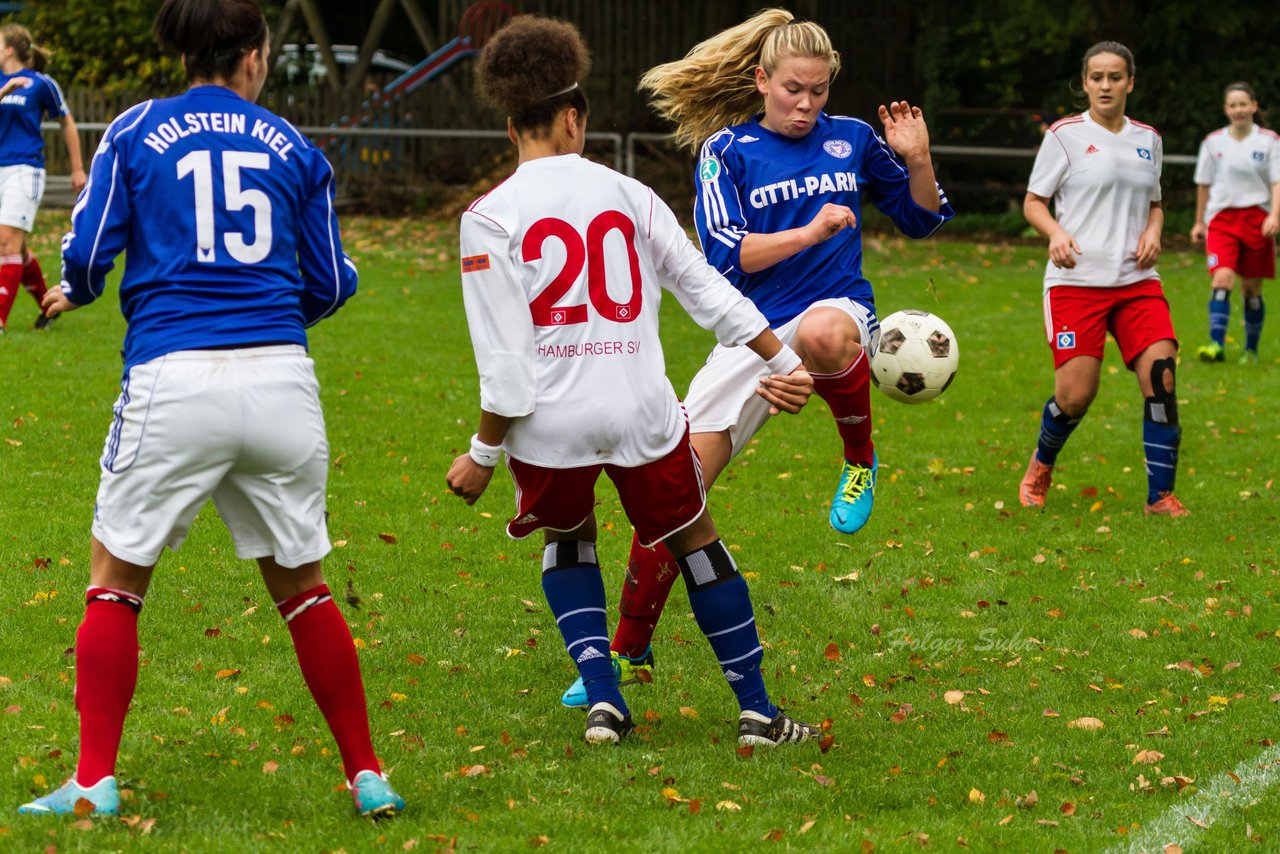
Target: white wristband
[
  {"x": 783, "y": 362},
  {"x": 485, "y": 455}
]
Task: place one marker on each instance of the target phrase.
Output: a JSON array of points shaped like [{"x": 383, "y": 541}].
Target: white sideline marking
[{"x": 1175, "y": 825}]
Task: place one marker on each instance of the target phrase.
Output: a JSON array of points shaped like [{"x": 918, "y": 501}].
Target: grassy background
[{"x": 1164, "y": 630}]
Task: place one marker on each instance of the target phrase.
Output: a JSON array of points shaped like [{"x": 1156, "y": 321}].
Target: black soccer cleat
[
  {"x": 607, "y": 725},
  {"x": 43, "y": 321},
  {"x": 755, "y": 729}
]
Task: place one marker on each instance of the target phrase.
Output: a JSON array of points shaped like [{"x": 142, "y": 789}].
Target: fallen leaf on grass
[
  {"x": 1148, "y": 757},
  {"x": 389, "y": 538},
  {"x": 226, "y": 674},
  {"x": 955, "y": 697},
  {"x": 833, "y": 652},
  {"x": 1029, "y": 800},
  {"x": 539, "y": 840},
  {"x": 1067, "y": 808},
  {"x": 728, "y": 805},
  {"x": 977, "y": 797},
  {"x": 904, "y": 711},
  {"x": 688, "y": 712},
  {"x": 1086, "y": 723},
  {"x": 270, "y": 767},
  {"x": 774, "y": 835}
]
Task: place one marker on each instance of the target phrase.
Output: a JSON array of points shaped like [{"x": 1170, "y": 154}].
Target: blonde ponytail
[{"x": 714, "y": 85}]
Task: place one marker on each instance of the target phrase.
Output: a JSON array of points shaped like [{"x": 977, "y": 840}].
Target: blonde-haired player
[{"x": 563, "y": 267}]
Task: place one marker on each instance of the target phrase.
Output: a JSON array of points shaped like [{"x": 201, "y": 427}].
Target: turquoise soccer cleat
[
  {"x": 103, "y": 798},
  {"x": 627, "y": 671},
  {"x": 374, "y": 796},
  {"x": 855, "y": 497}
]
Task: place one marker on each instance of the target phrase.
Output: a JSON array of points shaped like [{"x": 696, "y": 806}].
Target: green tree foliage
[{"x": 102, "y": 44}]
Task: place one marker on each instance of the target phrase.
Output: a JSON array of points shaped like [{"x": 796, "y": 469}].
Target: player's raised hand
[
  {"x": 829, "y": 222},
  {"x": 1063, "y": 250},
  {"x": 905, "y": 130},
  {"x": 786, "y": 393},
  {"x": 468, "y": 479}
]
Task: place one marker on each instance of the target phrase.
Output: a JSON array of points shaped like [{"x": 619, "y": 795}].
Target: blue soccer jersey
[
  {"x": 226, "y": 214},
  {"x": 752, "y": 180},
  {"x": 21, "y": 111}
]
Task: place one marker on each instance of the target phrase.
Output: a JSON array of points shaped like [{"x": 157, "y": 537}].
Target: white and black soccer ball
[{"x": 917, "y": 357}]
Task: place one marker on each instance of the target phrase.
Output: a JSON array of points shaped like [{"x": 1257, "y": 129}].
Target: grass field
[{"x": 955, "y": 645}]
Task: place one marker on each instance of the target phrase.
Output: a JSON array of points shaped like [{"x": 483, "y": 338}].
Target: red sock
[
  {"x": 106, "y": 675},
  {"x": 332, "y": 673},
  {"x": 650, "y": 575},
  {"x": 848, "y": 393},
  {"x": 33, "y": 279},
  {"x": 10, "y": 277}
]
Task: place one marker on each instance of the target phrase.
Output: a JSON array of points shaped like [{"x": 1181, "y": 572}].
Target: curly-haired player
[{"x": 563, "y": 267}]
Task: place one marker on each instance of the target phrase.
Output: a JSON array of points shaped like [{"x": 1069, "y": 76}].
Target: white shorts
[
  {"x": 243, "y": 427},
  {"x": 723, "y": 394},
  {"x": 21, "y": 189}
]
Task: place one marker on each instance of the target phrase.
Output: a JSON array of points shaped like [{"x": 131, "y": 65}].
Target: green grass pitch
[{"x": 954, "y": 645}]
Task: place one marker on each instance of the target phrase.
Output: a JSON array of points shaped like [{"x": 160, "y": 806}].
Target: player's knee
[
  {"x": 1162, "y": 405},
  {"x": 1075, "y": 402},
  {"x": 708, "y": 566},
  {"x": 1224, "y": 279},
  {"x": 828, "y": 342}
]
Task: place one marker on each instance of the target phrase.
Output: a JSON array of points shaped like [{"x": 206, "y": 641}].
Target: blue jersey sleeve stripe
[{"x": 63, "y": 109}]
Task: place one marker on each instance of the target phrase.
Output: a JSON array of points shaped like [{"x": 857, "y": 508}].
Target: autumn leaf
[
  {"x": 539, "y": 840},
  {"x": 1029, "y": 800},
  {"x": 1147, "y": 757},
  {"x": 977, "y": 797},
  {"x": 774, "y": 835},
  {"x": 1086, "y": 723},
  {"x": 955, "y": 697},
  {"x": 689, "y": 712},
  {"x": 388, "y": 538},
  {"x": 1067, "y": 808},
  {"x": 226, "y": 674},
  {"x": 270, "y": 767},
  {"x": 824, "y": 743},
  {"x": 729, "y": 806},
  {"x": 904, "y": 712},
  {"x": 83, "y": 807},
  {"x": 833, "y": 652}
]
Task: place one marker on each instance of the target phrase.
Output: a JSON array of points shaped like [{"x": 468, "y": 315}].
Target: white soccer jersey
[
  {"x": 1238, "y": 172},
  {"x": 562, "y": 270},
  {"x": 1102, "y": 185}
]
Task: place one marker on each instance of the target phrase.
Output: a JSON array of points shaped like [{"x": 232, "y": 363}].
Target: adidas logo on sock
[
  {"x": 733, "y": 676},
  {"x": 590, "y": 653}
]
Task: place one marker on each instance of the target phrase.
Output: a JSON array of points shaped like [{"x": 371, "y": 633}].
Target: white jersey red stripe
[
  {"x": 1102, "y": 185},
  {"x": 563, "y": 267},
  {"x": 1238, "y": 172}
]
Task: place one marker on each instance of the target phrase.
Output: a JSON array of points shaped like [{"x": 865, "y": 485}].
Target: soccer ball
[{"x": 917, "y": 357}]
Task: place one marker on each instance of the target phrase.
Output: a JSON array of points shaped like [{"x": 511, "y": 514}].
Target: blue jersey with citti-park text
[
  {"x": 753, "y": 180},
  {"x": 226, "y": 216},
  {"x": 21, "y": 111}
]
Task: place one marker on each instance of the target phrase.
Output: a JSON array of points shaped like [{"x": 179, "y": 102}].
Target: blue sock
[
  {"x": 1254, "y": 313},
  {"x": 575, "y": 591},
  {"x": 1056, "y": 427},
  {"x": 1219, "y": 315},
  {"x": 1160, "y": 441},
  {"x": 722, "y": 606}
]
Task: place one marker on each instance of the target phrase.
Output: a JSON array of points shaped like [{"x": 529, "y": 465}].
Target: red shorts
[
  {"x": 1077, "y": 320},
  {"x": 1235, "y": 242},
  {"x": 659, "y": 498}
]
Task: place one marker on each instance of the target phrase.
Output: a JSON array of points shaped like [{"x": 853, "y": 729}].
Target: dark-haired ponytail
[{"x": 211, "y": 35}]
